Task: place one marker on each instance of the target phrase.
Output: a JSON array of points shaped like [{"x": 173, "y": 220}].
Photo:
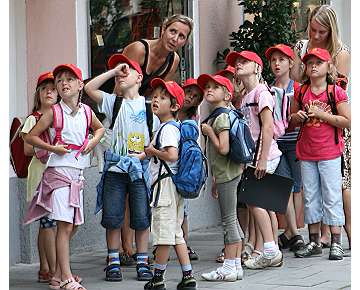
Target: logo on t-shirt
[
  {"x": 136, "y": 142},
  {"x": 139, "y": 118},
  {"x": 317, "y": 105}
]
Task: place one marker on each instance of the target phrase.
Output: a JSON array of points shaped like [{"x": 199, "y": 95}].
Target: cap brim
[
  {"x": 231, "y": 58},
  {"x": 306, "y": 57},
  {"x": 65, "y": 67},
  {"x": 204, "y": 79}
]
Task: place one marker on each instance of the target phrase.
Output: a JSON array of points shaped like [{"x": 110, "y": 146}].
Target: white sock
[
  {"x": 228, "y": 266},
  {"x": 270, "y": 249},
  {"x": 238, "y": 263}
]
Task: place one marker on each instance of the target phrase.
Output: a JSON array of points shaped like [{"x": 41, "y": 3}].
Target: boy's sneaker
[
  {"x": 310, "y": 250},
  {"x": 261, "y": 262},
  {"x": 218, "y": 275},
  {"x": 336, "y": 252},
  {"x": 113, "y": 273},
  {"x": 155, "y": 284},
  {"x": 187, "y": 283},
  {"x": 240, "y": 273},
  {"x": 144, "y": 272},
  {"x": 193, "y": 256},
  {"x": 296, "y": 243}
]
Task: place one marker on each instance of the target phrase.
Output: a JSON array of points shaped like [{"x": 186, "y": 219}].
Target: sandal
[
  {"x": 221, "y": 257},
  {"x": 246, "y": 253},
  {"x": 44, "y": 277},
  {"x": 54, "y": 283},
  {"x": 71, "y": 284}
]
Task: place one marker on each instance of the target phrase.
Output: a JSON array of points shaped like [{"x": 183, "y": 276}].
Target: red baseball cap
[
  {"x": 282, "y": 48},
  {"x": 205, "y": 78},
  {"x": 192, "y": 82},
  {"x": 172, "y": 87},
  {"x": 71, "y": 67},
  {"x": 232, "y": 56},
  {"x": 45, "y": 76},
  {"x": 229, "y": 69},
  {"x": 117, "y": 58},
  {"x": 321, "y": 53}
]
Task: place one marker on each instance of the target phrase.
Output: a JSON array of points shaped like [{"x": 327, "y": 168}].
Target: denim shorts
[
  {"x": 323, "y": 192},
  {"x": 116, "y": 185},
  {"x": 288, "y": 166}
]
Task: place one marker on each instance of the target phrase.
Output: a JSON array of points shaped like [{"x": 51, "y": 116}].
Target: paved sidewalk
[{"x": 310, "y": 273}]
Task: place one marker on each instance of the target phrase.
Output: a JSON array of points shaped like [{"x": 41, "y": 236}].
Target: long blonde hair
[{"x": 326, "y": 17}]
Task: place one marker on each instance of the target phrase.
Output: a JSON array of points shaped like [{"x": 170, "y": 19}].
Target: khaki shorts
[{"x": 168, "y": 216}]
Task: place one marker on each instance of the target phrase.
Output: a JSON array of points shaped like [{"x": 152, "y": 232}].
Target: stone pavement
[{"x": 310, "y": 273}]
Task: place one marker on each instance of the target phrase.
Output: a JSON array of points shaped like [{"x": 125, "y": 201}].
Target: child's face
[
  {"x": 214, "y": 93},
  {"x": 175, "y": 36},
  {"x": 244, "y": 67},
  {"x": 193, "y": 97},
  {"x": 48, "y": 93},
  {"x": 161, "y": 103},
  {"x": 68, "y": 85},
  {"x": 316, "y": 68},
  {"x": 318, "y": 34},
  {"x": 131, "y": 78},
  {"x": 280, "y": 64}
]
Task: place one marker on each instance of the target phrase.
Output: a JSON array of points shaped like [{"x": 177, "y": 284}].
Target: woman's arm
[
  {"x": 296, "y": 71},
  {"x": 343, "y": 61},
  {"x": 136, "y": 52}
]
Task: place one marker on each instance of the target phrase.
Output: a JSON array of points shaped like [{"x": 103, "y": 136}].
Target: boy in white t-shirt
[
  {"x": 167, "y": 204},
  {"x": 125, "y": 168}
]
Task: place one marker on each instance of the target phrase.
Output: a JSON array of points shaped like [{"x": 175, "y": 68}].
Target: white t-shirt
[
  {"x": 169, "y": 136},
  {"x": 130, "y": 132},
  {"x": 73, "y": 132}
]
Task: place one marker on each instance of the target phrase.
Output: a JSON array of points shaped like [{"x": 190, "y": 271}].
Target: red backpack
[{"x": 58, "y": 124}]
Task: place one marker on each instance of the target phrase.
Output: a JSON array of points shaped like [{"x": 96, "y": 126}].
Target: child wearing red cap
[
  {"x": 167, "y": 204},
  {"x": 45, "y": 96},
  {"x": 322, "y": 113},
  {"x": 281, "y": 59},
  {"x": 257, "y": 106},
  {"x": 218, "y": 92},
  {"x": 189, "y": 111},
  {"x": 125, "y": 168},
  {"x": 60, "y": 195}
]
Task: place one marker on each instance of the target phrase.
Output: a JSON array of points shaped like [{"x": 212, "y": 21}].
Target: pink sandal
[
  {"x": 71, "y": 284},
  {"x": 55, "y": 283}
]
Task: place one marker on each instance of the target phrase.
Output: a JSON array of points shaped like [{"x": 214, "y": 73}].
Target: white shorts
[
  {"x": 271, "y": 165},
  {"x": 60, "y": 197}
]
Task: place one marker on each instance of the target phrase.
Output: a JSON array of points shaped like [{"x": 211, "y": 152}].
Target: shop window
[{"x": 116, "y": 23}]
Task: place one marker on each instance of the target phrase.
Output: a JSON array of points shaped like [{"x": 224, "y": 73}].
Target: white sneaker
[
  {"x": 218, "y": 275},
  {"x": 240, "y": 273},
  {"x": 261, "y": 262}
]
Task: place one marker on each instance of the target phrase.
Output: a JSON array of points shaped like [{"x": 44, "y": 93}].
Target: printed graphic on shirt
[
  {"x": 136, "y": 142},
  {"x": 139, "y": 118},
  {"x": 317, "y": 105}
]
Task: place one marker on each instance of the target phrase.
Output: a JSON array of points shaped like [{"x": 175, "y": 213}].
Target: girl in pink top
[
  {"x": 257, "y": 106},
  {"x": 319, "y": 147}
]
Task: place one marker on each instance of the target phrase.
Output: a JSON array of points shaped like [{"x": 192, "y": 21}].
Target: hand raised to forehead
[{"x": 122, "y": 70}]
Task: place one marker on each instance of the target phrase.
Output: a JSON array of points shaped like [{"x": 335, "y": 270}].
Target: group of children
[{"x": 134, "y": 159}]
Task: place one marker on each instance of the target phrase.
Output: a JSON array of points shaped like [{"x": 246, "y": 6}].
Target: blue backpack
[
  {"x": 242, "y": 146},
  {"x": 192, "y": 172}
]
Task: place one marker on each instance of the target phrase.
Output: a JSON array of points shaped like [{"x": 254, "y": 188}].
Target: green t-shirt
[{"x": 222, "y": 167}]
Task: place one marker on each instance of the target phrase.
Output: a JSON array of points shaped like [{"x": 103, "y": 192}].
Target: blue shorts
[
  {"x": 46, "y": 223},
  {"x": 288, "y": 165},
  {"x": 116, "y": 185},
  {"x": 323, "y": 192}
]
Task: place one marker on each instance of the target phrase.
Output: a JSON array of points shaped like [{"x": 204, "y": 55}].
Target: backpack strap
[
  {"x": 330, "y": 93},
  {"x": 115, "y": 112},
  {"x": 58, "y": 123},
  {"x": 149, "y": 117},
  {"x": 216, "y": 113}
]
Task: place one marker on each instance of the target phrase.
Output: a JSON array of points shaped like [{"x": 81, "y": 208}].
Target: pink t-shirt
[
  {"x": 263, "y": 97},
  {"x": 317, "y": 138}
]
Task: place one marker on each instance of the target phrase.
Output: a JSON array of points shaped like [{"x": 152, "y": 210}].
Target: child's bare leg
[
  {"x": 162, "y": 254},
  {"x": 50, "y": 248},
  {"x": 185, "y": 228},
  {"x": 347, "y": 211},
  {"x": 182, "y": 254},
  {"x": 274, "y": 225},
  {"x": 44, "y": 266},
  {"x": 63, "y": 237},
  {"x": 142, "y": 240},
  {"x": 113, "y": 238}
]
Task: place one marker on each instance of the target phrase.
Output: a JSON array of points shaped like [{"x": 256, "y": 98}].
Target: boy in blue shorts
[
  {"x": 125, "y": 168},
  {"x": 167, "y": 204}
]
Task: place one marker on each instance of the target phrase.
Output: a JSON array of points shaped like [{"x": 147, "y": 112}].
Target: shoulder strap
[
  {"x": 88, "y": 114},
  {"x": 116, "y": 109},
  {"x": 330, "y": 93},
  {"x": 175, "y": 124},
  {"x": 146, "y": 45},
  {"x": 37, "y": 115},
  {"x": 58, "y": 122},
  {"x": 303, "y": 89},
  {"x": 216, "y": 113},
  {"x": 149, "y": 117}
]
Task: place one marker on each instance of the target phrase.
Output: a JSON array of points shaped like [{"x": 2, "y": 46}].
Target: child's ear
[
  {"x": 175, "y": 108},
  {"x": 227, "y": 97},
  {"x": 140, "y": 78},
  {"x": 291, "y": 63},
  {"x": 81, "y": 85}
]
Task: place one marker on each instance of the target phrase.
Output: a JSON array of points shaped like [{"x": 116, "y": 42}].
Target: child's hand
[
  {"x": 150, "y": 150},
  {"x": 315, "y": 112},
  {"x": 90, "y": 146},
  {"x": 300, "y": 116},
  {"x": 61, "y": 149},
  {"x": 122, "y": 70},
  {"x": 206, "y": 129},
  {"x": 260, "y": 170},
  {"x": 140, "y": 156},
  {"x": 214, "y": 191}
]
